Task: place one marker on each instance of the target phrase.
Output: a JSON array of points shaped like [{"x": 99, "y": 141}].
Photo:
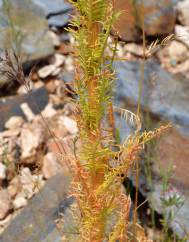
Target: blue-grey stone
[
  {"x": 36, "y": 222},
  {"x": 10, "y": 106},
  {"x": 163, "y": 94}
]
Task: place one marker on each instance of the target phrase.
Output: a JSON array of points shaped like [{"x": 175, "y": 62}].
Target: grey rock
[
  {"x": 53, "y": 7},
  {"x": 59, "y": 20},
  {"x": 26, "y": 31},
  {"x": 163, "y": 94},
  {"x": 36, "y": 221},
  {"x": 36, "y": 100},
  {"x": 57, "y": 11}
]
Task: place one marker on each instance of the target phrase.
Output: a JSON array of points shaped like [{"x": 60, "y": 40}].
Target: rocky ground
[{"x": 30, "y": 155}]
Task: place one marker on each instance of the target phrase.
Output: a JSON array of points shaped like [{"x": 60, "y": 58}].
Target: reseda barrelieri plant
[{"x": 101, "y": 165}]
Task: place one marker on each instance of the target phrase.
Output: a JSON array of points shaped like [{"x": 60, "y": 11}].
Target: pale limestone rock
[
  {"x": 183, "y": 12},
  {"x": 20, "y": 201},
  {"x": 31, "y": 137},
  {"x": 59, "y": 59},
  {"x": 14, "y": 122},
  {"x": 69, "y": 65},
  {"x": 27, "y": 111},
  {"x": 46, "y": 71},
  {"x": 182, "y": 33},
  {"x": 5, "y": 203},
  {"x": 49, "y": 111},
  {"x": 55, "y": 38},
  {"x": 69, "y": 124},
  {"x": 14, "y": 186},
  {"x": 3, "y": 171},
  {"x": 27, "y": 182},
  {"x": 178, "y": 51},
  {"x": 51, "y": 165}
]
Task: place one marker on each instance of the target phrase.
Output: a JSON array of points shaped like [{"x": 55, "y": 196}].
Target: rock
[
  {"x": 126, "y": 24},
  {"x": 31, "y": 37},
  {"x": 66, "y": 49},
  {"x": 59, "y": 59},
  {"x": 56, "y": 146},
  {"x": 57, "y": 11},
  {"x": 53, "y": 68},
  {"x": 183, "y": 10},
  {"x": 19, "y": 202},
  {"x": 27, "y": 182},
  {"x": 39, "y": 182},
  {"x": 31, "y": 184},
  {"x": 3, "y": 171},
  {"x": 178, "y": 52},
  {"x": 5, "y": 222},
  {"x": 32, "y": 136},
  {"x": 55, "y": 39},
  {"x": 182, "y": 68},
  {"x": 53, "y": 7},
  {"x": 5, "y": 203},
  {"x": 27, "y": 111},
  {"x": 49, "y": 111},
  {"x": 36, "y": 221},
  {"x": 159, "y": 18},
  {"x": 37, "y": 100},
  {"x": 14, "y": 122},
  {"x": 134, "y": 49},
  {"x": 9, "y": 133},
  {"x": 158, "y": 92},
  {"x": 182, "y": 34},
  {"x": 14, "y": 186},
  {"x": 59, "y": 20},
  {"x": 67, "y": 77},
  {"x": 172, "y": 55},
  {"x": 64, "y": 149},
  {"x": 51, "y": 165},
  {"x": 168, "y": 155},
  {"x": 69, "y": 65},
  {"x": 69, "y": 124},
  {"x": 46, "y": 71}
]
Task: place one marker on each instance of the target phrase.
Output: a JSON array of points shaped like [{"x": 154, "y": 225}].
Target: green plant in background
[
  {"x": 101, "y": 165},
  {"x": 171, "y": 201}
]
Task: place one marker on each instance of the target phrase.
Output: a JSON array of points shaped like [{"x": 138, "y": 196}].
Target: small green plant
[{"x": 171, "y": 200}]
